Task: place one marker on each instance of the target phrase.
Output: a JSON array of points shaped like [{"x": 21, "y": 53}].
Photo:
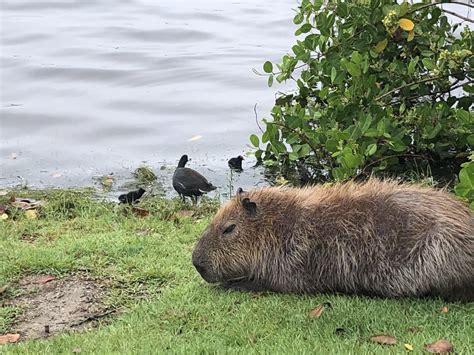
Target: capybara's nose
[{"x": 199, "y": 267}]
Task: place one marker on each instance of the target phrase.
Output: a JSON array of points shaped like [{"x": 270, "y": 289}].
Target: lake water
[{"x": 92, "y": 87}]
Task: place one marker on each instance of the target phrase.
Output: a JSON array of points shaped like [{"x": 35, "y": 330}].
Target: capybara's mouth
[{"x": 244, "y": 283}]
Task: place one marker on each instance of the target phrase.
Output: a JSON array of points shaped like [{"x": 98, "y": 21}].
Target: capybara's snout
[
  {"x": 199, "y": 265},
  {"x": 200, "y": 261}
]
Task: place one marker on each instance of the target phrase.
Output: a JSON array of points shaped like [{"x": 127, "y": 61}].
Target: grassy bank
[{"x": 164, "y": 306}]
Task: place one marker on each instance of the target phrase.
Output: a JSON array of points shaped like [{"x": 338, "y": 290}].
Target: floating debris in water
[
  {"x": 144, "y": 174},
  {"x": 194, "y": 138}
]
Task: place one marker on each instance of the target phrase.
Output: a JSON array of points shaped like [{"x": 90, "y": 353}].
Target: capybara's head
[{"x": 244, "y": 246}]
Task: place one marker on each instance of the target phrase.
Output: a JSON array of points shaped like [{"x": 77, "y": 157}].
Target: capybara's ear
[
  {"x": 240, "y": 191},
  {"x": 250, "y": 206}
]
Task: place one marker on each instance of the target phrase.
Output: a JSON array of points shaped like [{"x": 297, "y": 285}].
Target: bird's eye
[{"x": 229, "y": 229}]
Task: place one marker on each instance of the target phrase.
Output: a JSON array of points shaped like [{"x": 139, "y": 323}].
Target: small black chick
[
  {"x": 236, "y": 163},
  {"x": 188, "y": 182},
  {"x": 132, "y": 196}
]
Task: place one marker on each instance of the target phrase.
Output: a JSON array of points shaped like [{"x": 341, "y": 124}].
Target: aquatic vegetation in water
[{"x": 144, "y": 174}]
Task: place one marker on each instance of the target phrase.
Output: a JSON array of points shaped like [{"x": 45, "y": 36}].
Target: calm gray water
[{"x": 91, "y": 87}]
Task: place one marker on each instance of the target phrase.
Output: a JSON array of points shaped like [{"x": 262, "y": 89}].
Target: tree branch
[
  {"x": 388, "y": 157},
  {"x": 303, "y": 136},
  {"x": 441, "y": 3},
  {"x": 256, "y": 118},
  {"x": 457, "y": 15},
  {"x": 378, "y": 98},
  {"x": 437, "y": 93}
]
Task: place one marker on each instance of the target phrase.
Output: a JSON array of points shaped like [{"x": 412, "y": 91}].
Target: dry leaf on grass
[
  {"x": 31, "y": 214},
  {"x": 444, "y": 310},
  {"x": 9, "y": 338},
  {"x": 45, "y": 279},
  {"x": 3, "y": 216},
  {"x": 184, "y": 213},
  {"x": 25, "y": 203},
  {"x": 3, "y": 288},
  {"x": 140, "y": 212},
  {"x": 316, "y": 312},
  {"x": 408, "y": 347},
  {"x": 442, "y": 346},
  {"x": 384, "y": 339}
]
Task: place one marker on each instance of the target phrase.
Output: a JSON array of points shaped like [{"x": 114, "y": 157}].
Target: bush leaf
[
  {"x": 406, "y": 24},
  {"x": 254, "y": 140},
  {"x": 268, "y": 67},
  {"x": 379, "y": 47}
]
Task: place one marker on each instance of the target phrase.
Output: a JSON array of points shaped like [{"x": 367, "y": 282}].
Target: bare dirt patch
[{"x": 51, "y": 305}]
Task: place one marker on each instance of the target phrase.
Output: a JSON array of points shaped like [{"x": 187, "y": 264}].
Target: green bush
[
  {"x": 465, "y": 187},
  {"x": 380, "y": 87}
]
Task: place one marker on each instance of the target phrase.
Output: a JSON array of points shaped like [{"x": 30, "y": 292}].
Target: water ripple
[{"x": 93, "y": 83}]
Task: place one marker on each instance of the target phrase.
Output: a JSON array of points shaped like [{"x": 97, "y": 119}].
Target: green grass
[{"x": 165, "y": 305}]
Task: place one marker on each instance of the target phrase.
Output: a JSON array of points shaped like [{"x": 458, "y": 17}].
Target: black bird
[
  {"x": 132, "y": 196},
  {"x": 236, "y": 163},
  {"x": 188, "y": 182}
]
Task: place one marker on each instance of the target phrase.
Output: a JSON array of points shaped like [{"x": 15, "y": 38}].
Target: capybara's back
[{"x": 375, "y": 238}]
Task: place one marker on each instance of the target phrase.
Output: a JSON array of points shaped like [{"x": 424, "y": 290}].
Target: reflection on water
[{"x": 93, "y": 87}]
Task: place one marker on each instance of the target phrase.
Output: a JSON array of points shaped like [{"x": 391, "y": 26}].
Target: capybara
[{"x": 377, "y": 238}]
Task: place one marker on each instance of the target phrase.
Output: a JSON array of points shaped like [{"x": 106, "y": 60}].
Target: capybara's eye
[{"x": 229, "y": 229}]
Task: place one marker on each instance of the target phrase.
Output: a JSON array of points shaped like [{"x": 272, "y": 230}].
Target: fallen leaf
[
  {"x": 144, "y": 232},
  {"x": 409, "y": 347},
  {"x": 31, "y": 214},
  {"x": 316, "y": 312},
  {"x": 444, "y": 309},
  {"x": 3, "y": 216},
  {"x": 45, "y": 279},
  {"x": 384, "y": 339},
  {"x": 3, "y": 288},
  {"x": 406, "y": 24},
  {"x": 140, "y": 212},
  {"x": 184, "y": 213},
  {"x": 9, "y": 338},
  {"x": 411, "y": 35},
  {"x": 442, "y": 346},
  {"x": 194, "y": 138},
  {"x": 25, "y": 203}
]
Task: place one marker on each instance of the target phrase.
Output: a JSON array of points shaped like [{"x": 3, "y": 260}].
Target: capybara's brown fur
[{"x": 375, "y": 238}]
